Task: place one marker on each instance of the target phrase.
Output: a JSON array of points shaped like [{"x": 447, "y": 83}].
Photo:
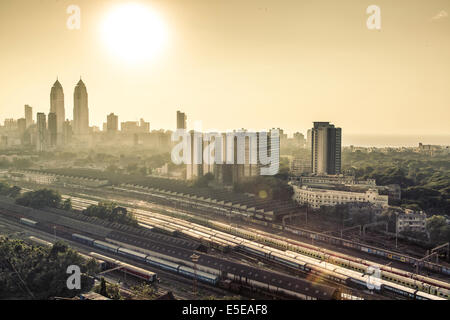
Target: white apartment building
[
  {"x": 325, "y": 197},
  {"x": 411, "y": 221}
]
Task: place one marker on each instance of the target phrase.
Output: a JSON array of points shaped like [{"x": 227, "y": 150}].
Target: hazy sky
[{"x": 241, "y": 63}]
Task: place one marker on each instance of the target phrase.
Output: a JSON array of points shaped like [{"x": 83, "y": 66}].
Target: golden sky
[{"x": 241, "y": 63}]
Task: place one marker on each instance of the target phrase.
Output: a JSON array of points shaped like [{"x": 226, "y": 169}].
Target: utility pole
[
  {"x": 396, "y": 231},
  {"x": 194, "y": 259},
  {"x": 306, "y": 223}
]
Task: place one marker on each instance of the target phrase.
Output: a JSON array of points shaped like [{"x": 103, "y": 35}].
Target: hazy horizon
[{"x": 234, "y": 64}]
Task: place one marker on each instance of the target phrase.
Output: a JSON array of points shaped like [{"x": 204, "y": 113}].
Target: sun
[{"x": 134, "y": 32}]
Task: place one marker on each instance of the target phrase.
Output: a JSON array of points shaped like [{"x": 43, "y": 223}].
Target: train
[
  {"x": 198, "y": 232},
  {"x": 28, "y": 222},
  {"x": 223, "y": 240},
  {"x": 40, "y": 242},
  {"x": 268, "y": 222},
  {"x": 425, "y": 284},
  {"x": 212, "y": 272},
  {"x": 148, "y": 259},
  {"x": 334, "y": 273}
]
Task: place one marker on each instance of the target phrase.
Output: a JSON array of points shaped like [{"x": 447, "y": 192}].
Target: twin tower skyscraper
[{"x": 80, "y": 123}]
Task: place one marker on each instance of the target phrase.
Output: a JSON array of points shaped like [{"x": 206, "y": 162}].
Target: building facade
[
  {"x": 80, "y": 109},
  {"x": 112, "y": 123},
  {"x": 181, "y": 120},
  {"x": 316, "y": 197},
  {"x": 57, "y": 108},
  {"x": 28, "y": 115},
  {"x": 326, "y": 141},
  {"x": 411, "y": 221}
]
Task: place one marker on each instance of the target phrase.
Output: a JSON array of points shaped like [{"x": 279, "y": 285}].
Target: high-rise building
[
  {"x": 10, "y": 124},
  {"x": 309, "y": 139},
  {"x": 41, "y": 131},
  {"x": 28, "y": 115},
  {"x": 326, "y": 148},
  {"x": 80, "y": 110},
  {"x": 181, "y": 120},
  {"x": 21, "y": 125},
  {"x": 299, "y": 139},
  {"x": 194, "y": 169},
  {"x": 112, "y": 123},
  {"x": 53, "y": 128},
  {"x": 145, "y": 126},
  {"x": 57, "y": 107},
  {"x": 68, "y": 132}
]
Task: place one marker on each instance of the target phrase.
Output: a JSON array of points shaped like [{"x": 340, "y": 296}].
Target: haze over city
[
  {"x": 233, "y": 64},
  {"x": 225, "y": 155}
]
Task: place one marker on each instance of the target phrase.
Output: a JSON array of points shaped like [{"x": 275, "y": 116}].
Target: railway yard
[{"x": 235, "y": 255}]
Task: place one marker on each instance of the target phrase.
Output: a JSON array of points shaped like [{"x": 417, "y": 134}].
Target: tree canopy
[{"x": 36, "y": 272}]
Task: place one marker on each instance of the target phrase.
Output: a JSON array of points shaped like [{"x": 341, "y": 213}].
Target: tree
[
  {"x": 438, "y": 229},
  {"x": 111, "y": 212},
  {"x": 67, "y": 204},
  {"x": 103, "y": 290},
  {"x": 144, "y": 291},
  {"x": 37, "y": 272},
  {"x": 40, "y": 199},
  {"x": 8, "y": 191},
  {"x": 92, "y": 267},
  {"x": 108, "y": 290}
]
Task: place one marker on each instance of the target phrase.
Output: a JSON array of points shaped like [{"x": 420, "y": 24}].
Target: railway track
[{"x": 139, "y": 213}]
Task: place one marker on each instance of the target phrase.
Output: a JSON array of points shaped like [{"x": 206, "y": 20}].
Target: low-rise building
[
  {"x": 411, "y": 221},
  {"x": 316, "y": 197}
]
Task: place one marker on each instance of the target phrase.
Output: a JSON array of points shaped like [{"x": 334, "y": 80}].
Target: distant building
[
  {"x": 112, "y": 123},
  {"x": 28, "y": 115},
  {"x": 52, "y": 128},
  {"x": 68, "y": 131},
  {"x": 309, "y": 139},
  {"x": 411, "y": 221},
  {"x": 326, "y": 148},
  {"x": 316, "y": 197},
  {"x": 145, "y": 126},
  {"x": 300, "y": 166},
  {"x": 239, "y": 170},
  {"x": 80, "y": 109},
  {"x": 181, "y": 120},
  {"x": 41, "y": 123},
  {"x": 57, "y": 108},
  {"x": 21, "y": 125},
  {"x": 10, "y": 124},
  {"x": 299, "y": 139},
  {"x": 331, "y": 180}
]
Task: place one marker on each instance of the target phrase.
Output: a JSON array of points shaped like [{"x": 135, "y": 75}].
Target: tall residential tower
[{"x": 326, "y": 149}]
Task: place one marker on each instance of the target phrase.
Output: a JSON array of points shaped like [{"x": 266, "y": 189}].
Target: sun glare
[{"x": 134, "y": 33}]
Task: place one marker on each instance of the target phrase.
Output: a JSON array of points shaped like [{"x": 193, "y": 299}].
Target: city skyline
[{"x": 392, "y": 83}]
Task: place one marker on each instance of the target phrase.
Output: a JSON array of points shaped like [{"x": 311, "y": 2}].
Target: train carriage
[
  {"x": 106, "y": 246},
  {"x": 199, "y": 275},
  {"x": 83, "y": 239},
  {"x": 132, "y": 254},
  {"x": 163, "y": 264},
  {"x": 28, "y": 222}
]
